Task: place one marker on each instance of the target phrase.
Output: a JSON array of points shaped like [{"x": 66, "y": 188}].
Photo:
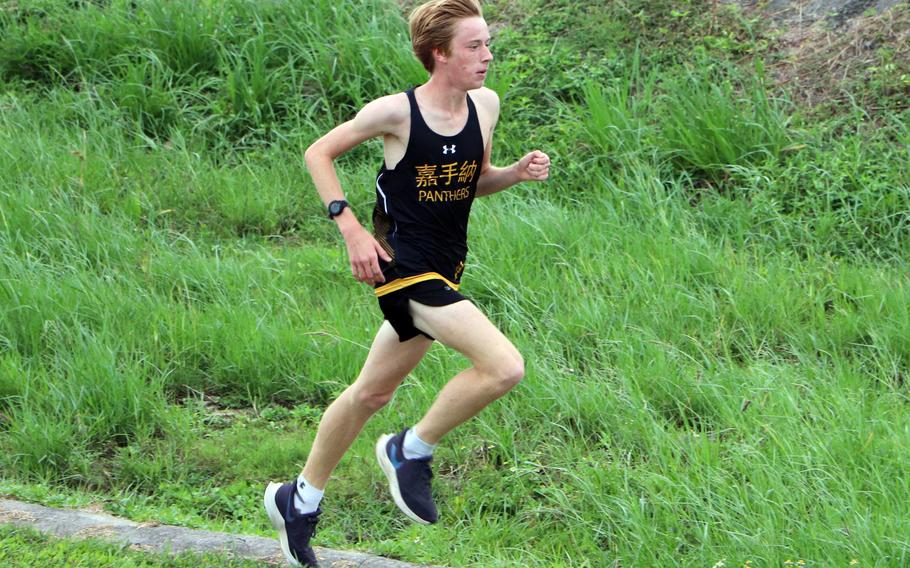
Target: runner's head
[{"x": 434, "y": 25}]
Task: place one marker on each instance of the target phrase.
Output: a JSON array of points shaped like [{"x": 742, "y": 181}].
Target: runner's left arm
[{"x": 533, "y": 166}]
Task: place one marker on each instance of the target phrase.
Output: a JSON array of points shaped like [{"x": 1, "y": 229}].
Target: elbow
[
  {"x": 311, "y": 156},
  {"x": 318, "y": 156}
]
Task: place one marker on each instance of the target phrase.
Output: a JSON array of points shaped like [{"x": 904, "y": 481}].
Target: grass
[{"x": 710, "y": 292}]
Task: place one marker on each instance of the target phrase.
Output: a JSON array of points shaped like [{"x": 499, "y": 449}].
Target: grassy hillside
[{"x": 710, "y": 292}]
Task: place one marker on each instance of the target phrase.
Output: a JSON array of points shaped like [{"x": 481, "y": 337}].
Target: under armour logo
[{"x": 448, "y": 149}]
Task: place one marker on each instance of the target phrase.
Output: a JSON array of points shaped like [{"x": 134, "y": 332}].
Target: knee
[
  {"x": 508, "y": 373},
  {"x": 370, "y": 401}
]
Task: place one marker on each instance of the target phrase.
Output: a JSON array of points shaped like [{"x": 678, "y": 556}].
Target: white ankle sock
[
  {"x": 414, "y": 447},
  {"x": 307, "y": 498}
]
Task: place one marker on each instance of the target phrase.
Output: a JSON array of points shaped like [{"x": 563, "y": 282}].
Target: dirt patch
[
  {"x": 98, "y": 532},
  {"x": 834, "y": 51},
  {"x": 16, "y": 517},
  {"x": 834, "y": 13}
]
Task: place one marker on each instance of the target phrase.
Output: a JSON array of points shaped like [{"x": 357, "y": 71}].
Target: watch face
[{"x": 336, "y": 207}]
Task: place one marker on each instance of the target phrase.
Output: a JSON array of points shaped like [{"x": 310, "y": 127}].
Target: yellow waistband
[{"x": 405, "y": 282}]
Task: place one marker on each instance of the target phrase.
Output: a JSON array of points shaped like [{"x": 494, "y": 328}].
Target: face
[{"x": 469, "y": 54}]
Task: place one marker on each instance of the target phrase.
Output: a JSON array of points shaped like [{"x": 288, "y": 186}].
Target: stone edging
[{"x": 158, "y": 538}]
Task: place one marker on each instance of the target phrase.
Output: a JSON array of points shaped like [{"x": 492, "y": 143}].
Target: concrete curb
[{"x": 153, "y": 537}]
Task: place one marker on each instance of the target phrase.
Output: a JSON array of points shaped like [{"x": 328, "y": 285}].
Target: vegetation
[{"x": 710, "y": 292}]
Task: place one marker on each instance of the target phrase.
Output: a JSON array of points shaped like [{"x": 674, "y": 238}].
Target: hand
[
  {"x": 535, "y": 166},
  {"x": 364, "y": 253}
]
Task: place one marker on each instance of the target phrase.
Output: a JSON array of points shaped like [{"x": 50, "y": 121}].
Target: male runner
[{"x": 437, "y": 142}]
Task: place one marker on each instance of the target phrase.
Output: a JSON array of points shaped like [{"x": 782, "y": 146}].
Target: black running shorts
[{"x": 394, "y": 305}]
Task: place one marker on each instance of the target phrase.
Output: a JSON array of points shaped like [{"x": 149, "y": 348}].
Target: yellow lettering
[
  {"x": 443, "y": 195},
  {"x": 426, "y": 175},
  {"x": 448, "y": 172},
  {"x": 467, "y": 171}
]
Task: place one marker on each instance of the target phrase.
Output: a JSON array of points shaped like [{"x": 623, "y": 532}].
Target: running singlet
[{"x": 422, "y": 205}]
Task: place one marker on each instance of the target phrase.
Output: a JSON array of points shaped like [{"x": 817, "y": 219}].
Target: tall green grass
[
  {"x": 614, "y": 116},
  {"x": 712, "y": 125},
  {"x": 232, "y": 73},
  {"x": 711, "y": 302}
]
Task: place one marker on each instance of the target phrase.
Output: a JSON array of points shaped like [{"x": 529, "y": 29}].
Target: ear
[{"x": 439, "y": 55}]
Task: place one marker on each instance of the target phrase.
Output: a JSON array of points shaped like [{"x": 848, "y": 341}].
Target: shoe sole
[
  {"x": 278, "y": 521},
  {"x": 389, "y": 471}
]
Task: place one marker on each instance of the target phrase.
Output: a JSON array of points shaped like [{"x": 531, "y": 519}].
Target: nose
[{"x": 487, "y": 55}]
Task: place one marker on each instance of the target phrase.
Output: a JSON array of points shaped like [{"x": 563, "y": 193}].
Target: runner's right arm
[{"x": 379, "y": 118}]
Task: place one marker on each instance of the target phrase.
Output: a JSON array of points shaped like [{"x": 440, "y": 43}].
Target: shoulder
[
  {"x": 386, "y": 113},
  {"x": 487, "y": 102},
  {"x": 486, "y": 99}
]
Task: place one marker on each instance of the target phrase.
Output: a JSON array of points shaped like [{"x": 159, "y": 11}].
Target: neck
[{"x": 442, "y": 95}]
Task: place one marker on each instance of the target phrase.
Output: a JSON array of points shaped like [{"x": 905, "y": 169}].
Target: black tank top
[{"x": 422, "y": 205}]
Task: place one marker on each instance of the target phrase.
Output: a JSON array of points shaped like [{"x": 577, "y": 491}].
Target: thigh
[
  {"x": 390, "y": 360},
  {"x": 463, "y": 327}
]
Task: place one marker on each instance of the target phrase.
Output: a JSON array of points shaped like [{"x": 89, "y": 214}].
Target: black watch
[{"x": 336, "y": 207}]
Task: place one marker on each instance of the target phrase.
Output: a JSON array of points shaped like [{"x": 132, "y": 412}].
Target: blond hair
[{"x": 433, "y": 26}]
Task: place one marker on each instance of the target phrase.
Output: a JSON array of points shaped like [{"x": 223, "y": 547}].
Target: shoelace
[
  {"x": 312, "y": 521},
  {"x": 425, "y": 471}
]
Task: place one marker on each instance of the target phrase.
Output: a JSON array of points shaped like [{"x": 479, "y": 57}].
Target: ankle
[
  {"x": 414, "y": 448},
  {"x": 307, "y": 498}
]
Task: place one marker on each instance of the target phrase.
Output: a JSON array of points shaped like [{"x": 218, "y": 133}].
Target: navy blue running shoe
[
  {"x": 294, "y": 530},
  {"x": 409, "y": 480}
]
